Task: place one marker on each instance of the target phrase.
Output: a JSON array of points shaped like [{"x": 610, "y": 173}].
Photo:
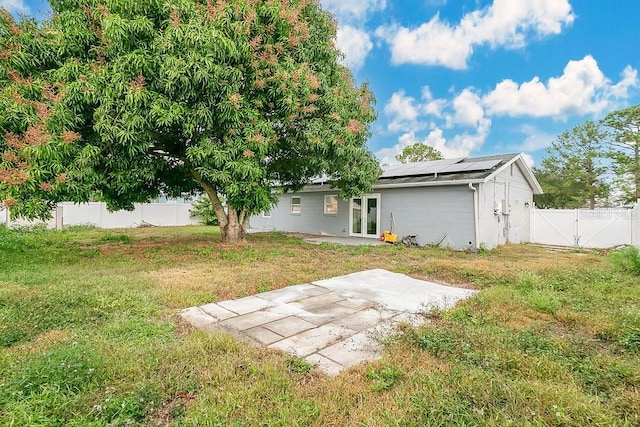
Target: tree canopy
[
  {"x": 623, "y": 128},
  {"x": 418, "y": 152},
  {"x": 572, "y": 176},
  {"x": 121, "y": 101}
]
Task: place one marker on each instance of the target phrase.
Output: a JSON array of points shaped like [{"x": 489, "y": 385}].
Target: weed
[
  {"x": 439, "y": 342},
  {"x": 116, "y": 237},
  {"x": 627, "y": 259},
  {"x": 385, "y": 378},
  {"x": 299, "y": 365},
  {"x": 528, "y": 280},
  {"x": 544, "y": 302},
  {"x": 67, "y": 370}
]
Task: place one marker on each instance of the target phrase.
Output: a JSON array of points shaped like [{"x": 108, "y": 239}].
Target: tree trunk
[
  {"x": 233, "y": 233},
  {"x": 233, "y": 230},
  {"x": 231, "y": 224}
]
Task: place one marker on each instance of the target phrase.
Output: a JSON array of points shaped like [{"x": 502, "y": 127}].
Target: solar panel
[
  {"x": 418, "y": 168},
  {"x": 472, "y": 166}
]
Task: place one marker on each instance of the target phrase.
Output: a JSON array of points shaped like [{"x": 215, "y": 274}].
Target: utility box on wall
[{"x": 497, "y": 208}]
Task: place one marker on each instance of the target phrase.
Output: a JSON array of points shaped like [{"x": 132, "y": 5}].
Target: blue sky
[{"x": 478, "y": 77}]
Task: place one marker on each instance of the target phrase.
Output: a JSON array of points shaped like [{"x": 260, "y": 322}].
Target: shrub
[
  {"x": 627, "y": 259},
  {"x": 202, "y": 209}
]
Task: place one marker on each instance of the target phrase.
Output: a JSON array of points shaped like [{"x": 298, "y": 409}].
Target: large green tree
[
  {"x": 418, "y": 152},
  {"x": 122, "y": 100},
  {"x": 573, "y": 173},
  {"x": 623, "y": 128}
]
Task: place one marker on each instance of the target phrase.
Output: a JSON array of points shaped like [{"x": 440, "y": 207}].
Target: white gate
[{"x": 597, "y": 228}]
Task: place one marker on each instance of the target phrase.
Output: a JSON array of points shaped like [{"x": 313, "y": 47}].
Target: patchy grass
[{"x": 89, "y": 335}]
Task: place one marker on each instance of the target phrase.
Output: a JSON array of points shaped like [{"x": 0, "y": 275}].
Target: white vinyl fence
[
  {"x": 96, "y": 214},
  {"x": 597, "y": 228}
]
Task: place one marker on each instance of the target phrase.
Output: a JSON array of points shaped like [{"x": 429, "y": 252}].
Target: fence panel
[
  {"x": 604, "y": 228},
  {"x": 553, "y": 227},
  {"x": 597, "y": 228},
  {"x": 82, "y": 214},
  {"x": 160, "y": 214},
  {"x": 96, "y": 214}
]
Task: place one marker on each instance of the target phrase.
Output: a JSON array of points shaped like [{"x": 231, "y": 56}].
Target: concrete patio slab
[
  {"x": 334, "y": 323},
  {"x": 346, "y": 241}
]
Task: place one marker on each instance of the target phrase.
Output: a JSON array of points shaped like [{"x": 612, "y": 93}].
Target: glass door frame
[{"x": 364, "y": 213}]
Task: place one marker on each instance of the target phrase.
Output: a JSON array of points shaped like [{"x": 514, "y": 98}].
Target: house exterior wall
[
  {"x": 436, "y": 215},
  {"x": 512, "y": 195},
  {"x": 311, "y": 218}
]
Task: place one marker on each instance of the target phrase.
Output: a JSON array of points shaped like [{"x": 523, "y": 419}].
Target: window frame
[
  {"x": 299, "y": 205},
  {"x": 325, "y": 204}
]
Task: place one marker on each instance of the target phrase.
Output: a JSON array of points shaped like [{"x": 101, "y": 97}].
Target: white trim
[
  {"x": 264, "y": 214},
  {"x": 526, "y": 171},
  {"x": 405, "y": 185},
  {"x": 299, "y": 204},
  {"x": 325, "y": 205},
  {"x": 363, "y": 224}
]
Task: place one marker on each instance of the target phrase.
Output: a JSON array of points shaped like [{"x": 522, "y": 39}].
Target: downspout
[{"x": 475, "y": 216}]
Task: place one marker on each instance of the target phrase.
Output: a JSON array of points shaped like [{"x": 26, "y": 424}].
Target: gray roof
[
  {"x": 460, "y": 169},
  {"x": 456, "y": 171}
]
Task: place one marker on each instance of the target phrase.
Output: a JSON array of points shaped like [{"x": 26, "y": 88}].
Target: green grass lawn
[{"x": 89, "y": 335}]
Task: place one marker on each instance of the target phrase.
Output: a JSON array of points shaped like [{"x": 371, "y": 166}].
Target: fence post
[
  {"x": 59, "y": 217},
  {"x": 635, "y": 225},
  {"x": 576, "y": 237}
]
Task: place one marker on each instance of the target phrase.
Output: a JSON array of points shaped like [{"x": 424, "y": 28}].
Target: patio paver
[{"x": 334, "y": 323}]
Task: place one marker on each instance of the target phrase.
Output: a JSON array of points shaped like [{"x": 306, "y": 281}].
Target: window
[
  {"x": 295, "y": 205},
  {"x": 330, "y": 205},
  {"x": 266, "y": 214}
]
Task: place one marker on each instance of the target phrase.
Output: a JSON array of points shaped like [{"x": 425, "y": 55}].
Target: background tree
[
  {"x": 235, "y": 98},
  {"x": 573, "y": 174},
  {"x": 623, "y": 127},
  {"x": 418, "y": 152}
]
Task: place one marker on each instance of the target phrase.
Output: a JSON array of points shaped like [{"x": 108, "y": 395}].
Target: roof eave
[{"x": 528, "y": 173}]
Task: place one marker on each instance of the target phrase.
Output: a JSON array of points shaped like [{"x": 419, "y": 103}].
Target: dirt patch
[
  {"x": 167, "y": 414},
  {"x": 45, "y": 340}
]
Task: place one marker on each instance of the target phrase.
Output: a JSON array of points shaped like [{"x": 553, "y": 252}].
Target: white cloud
[
  {"x": 459, "y": 146},
  {"x": 629, "y": 80},
  {"x": 355, "y": 44},
  {"x": 351, "y": 38},
  {"x": 459, "y": 126},
  {"x": 15, "y": 6},
  {"x": 468, "y": 109},
  {"x": 581, "y": 89},
  {"x": 403, "y": 112},
  {"x": 432, "y": 106},
  {"x": 505, "y": 23},
  {"x": 535, "y": 139},
  {"x": 348, "y": 10},
  {"x": 528, "y": 160},
  {"x": 463, "y": 144}
]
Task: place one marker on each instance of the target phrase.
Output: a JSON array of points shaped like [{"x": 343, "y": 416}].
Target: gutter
[
  {"x": 475, "y": 216},
  {"x": 400, "y": 185}
]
